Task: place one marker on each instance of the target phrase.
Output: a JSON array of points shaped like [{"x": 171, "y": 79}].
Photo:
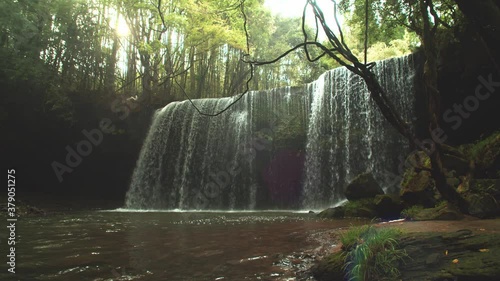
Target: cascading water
[
  {"x": 347, "y": 134},
  {"x": 289, "y": 148},
  {"x": 190, "y": 161}
]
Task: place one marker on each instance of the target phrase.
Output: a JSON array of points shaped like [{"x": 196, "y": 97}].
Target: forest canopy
[{"x": 58, "y": 54}]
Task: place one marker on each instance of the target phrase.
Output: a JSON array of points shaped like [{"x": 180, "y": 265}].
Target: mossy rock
[
  {"x": 332, "y": 213},
  {"x": 388, "y": 206},
  {"x": 442, "y": 212},
  {"x": 363, "y": 186},
  {"x": 330, "y": 268},
  {"x": 23, "y": 209},
  {"x": 460, "y": 255},
  {"x": 362, "y": 208},
  {"x": 418, "y": 160},
  {"x": 417, "y": 188},
  {"x": 485, "y": 154}
]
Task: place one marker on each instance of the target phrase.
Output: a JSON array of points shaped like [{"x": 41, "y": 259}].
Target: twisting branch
[
  {"x": 341, "y": 53},
  {"x": 241, "y": 5},
  {"x": 247, "y": 84},
  {"x": 308, "y": 56}
]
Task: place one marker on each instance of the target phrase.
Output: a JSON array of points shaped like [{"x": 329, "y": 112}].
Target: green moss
[
  {"x": 442, "y": 204},
  {"x": 360, "y": 203},
  {"x": 442, "y": 211},
  {"x": 427, "y": 162},
  {"x": 411, "y": 212},
  {"x": 360, "y": 208},
  {"x": 408, "y": 176},
  {"x": 481, "y": 265},
  {"x": 484, "y": 186},
  {"x": 483, "y": 152}
]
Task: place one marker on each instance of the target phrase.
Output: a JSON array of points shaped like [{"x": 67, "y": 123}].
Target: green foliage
[
  {"x": 272, "y": 36},
  {"x": 353, "y": 207},
  {"x": 441, "y": 204},
  {"x": 60, "y": 105},
  {"x": 484, "y": 152},
  {"x": 373, "y": 254},
  {"x": 351, "y": 237},
  {"x": 408, "y": 176},
  {"x": 411, "y": 212},
  {"x": 394, "y": 27},
  {"x": 69, "y": 52}
]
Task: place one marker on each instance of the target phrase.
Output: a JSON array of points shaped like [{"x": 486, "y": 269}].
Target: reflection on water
[{"x": 162, "y": 245}]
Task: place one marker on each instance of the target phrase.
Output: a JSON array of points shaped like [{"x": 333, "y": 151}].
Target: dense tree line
[{"x": 57, "y": 54}]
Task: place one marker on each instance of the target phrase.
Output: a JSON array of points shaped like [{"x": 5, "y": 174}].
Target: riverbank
[{"x": 468, "y": 249}]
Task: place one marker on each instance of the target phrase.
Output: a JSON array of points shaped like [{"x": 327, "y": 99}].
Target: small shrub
[
  {"x": 373, "y": 254},
  {"x": 352, "y": 236}
]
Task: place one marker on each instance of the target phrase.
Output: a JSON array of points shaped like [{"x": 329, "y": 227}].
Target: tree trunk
[{"x": 433, "y": 97}]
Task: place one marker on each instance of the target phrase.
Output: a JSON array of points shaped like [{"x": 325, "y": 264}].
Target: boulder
[
  {"x": 417, "y": 161},
  {"x": 417, "y": 188},
  {"x": 332, "y": 213},
  {"x": 363, "y": 186},
  {"x": 363, "y": 212},
  {"x": 388, "y": 206},
  {"x": 361, "y": 208},
  {"x": 443, "y": 212}
]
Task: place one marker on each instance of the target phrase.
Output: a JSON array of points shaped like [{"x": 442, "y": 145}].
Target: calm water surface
[{"x": 163, "y": 245}]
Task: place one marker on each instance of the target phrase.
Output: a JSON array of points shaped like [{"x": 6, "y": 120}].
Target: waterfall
[
  {"x": 347, "y": 134},
  {"x": 287, "y": 148}
]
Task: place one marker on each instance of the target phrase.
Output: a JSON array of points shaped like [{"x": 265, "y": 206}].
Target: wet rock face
[
  {"x": 363, "y": 186},
  {"x": 332, "y": 213}
]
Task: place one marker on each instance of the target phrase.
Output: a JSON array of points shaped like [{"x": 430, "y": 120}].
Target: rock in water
[
  {"x": 332, "y": 213},
  {"x": 363, "y": 186}
]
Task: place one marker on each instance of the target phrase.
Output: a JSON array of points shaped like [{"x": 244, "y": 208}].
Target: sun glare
[
  {"x": 294, "y": 8},
  {"x": 122, "y": 28}
]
